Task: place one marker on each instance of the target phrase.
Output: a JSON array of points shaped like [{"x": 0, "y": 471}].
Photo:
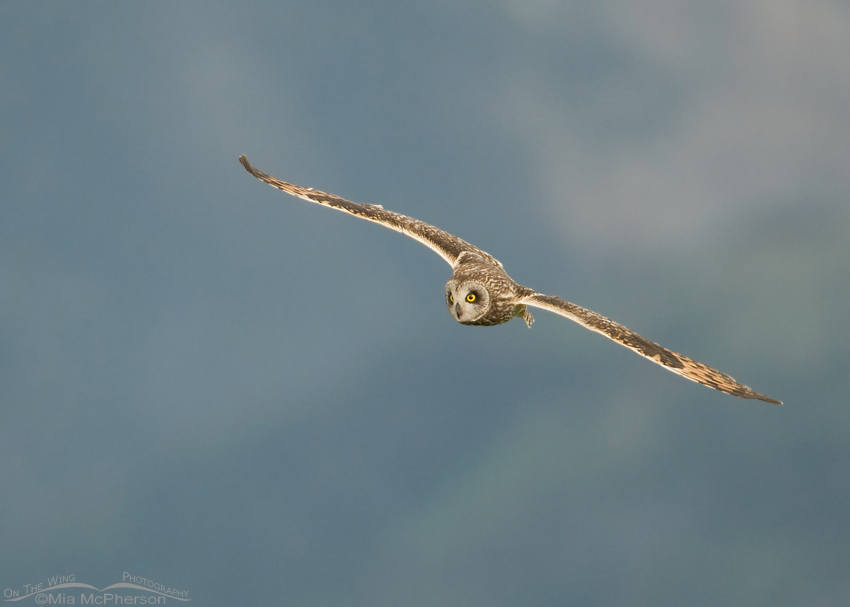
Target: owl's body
[{"x": 481, "y": 293}]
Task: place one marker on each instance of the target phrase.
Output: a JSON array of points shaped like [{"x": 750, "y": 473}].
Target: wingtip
[
  {"x": 244, "y": 160},
  {"x": 767, "y": 399}
]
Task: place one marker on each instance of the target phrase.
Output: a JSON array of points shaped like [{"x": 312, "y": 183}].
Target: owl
[{"x": 481, "y": 293}]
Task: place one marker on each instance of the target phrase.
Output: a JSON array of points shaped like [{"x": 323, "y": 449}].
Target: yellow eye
[
  {"x": 451, "y": 298},
  {"x": 471, "y": 297}
]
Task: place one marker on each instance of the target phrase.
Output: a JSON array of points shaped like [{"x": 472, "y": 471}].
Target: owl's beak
[{"x": 457, "y": 311}]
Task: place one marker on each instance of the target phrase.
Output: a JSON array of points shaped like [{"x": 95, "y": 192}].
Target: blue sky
[{"x": 213, "y": 385}]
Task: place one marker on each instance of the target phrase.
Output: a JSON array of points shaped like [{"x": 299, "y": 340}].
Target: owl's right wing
[
  {"x": 448, "y": 246},
  {"x": 672, "y": 361}
]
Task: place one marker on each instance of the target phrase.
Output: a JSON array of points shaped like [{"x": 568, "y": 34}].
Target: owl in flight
[{"x": 480, "y": 292}]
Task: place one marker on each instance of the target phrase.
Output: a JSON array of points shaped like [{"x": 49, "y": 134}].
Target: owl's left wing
[
  {"x": 677, "y": 363},
  {"x": 448, "y": 246}
]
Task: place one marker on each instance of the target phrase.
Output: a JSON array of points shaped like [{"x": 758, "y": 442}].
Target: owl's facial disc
[{"x": 467, "y": 302}]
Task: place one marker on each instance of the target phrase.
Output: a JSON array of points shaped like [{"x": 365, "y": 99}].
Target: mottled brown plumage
[{"x": 480, "y": 292}]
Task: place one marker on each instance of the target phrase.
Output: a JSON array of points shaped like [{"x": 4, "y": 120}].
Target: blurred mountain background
[{"x": 225, "y": 389}]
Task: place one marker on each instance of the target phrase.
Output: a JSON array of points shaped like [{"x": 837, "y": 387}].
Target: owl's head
[{"x": 467, "y": 301}]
